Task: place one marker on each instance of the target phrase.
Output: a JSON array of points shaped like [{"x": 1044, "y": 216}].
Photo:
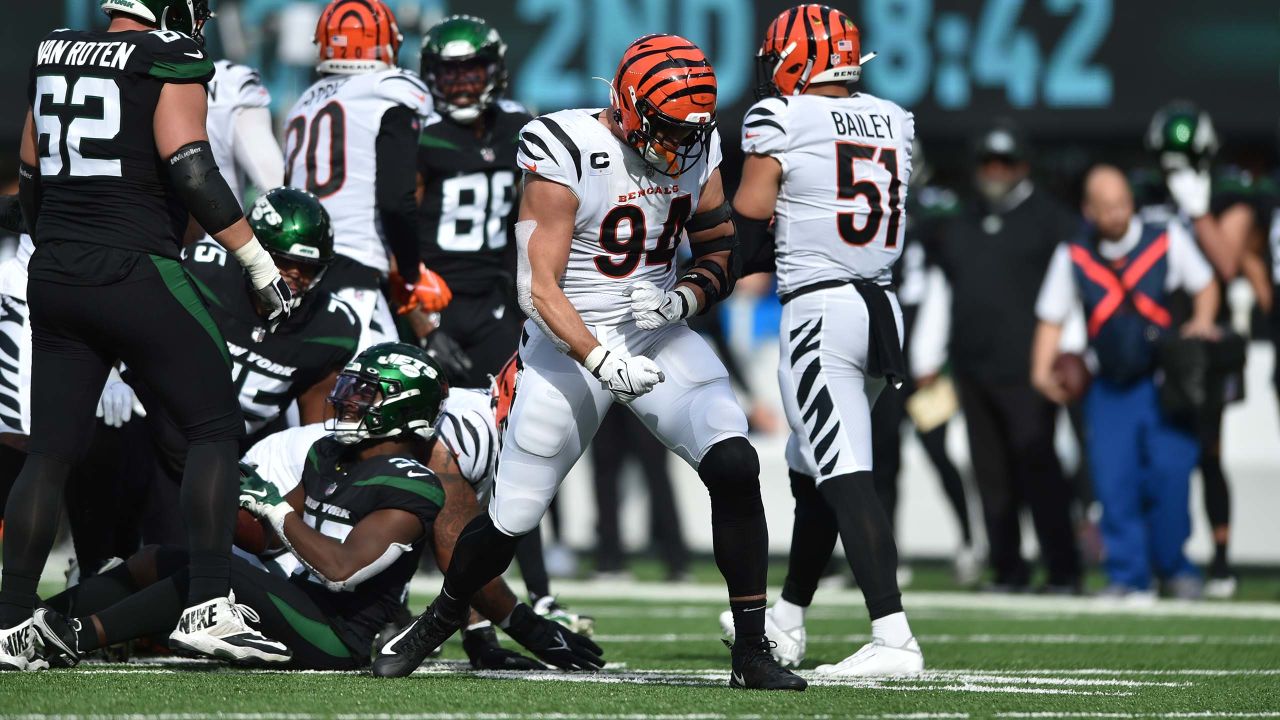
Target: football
[{"x": 252, "y": 534}]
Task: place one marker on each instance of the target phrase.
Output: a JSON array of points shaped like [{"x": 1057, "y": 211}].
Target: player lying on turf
[{"x": 356, "y": 523}]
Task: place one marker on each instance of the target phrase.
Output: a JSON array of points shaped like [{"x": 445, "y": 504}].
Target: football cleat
[
  {"x": 481, "y": 644},
  {"x": 547, "y": 607},
  {"x": 754, "y": 668},
  {"x": 788, "y": 644},
  {"x": 59, "y": 637},
  {"x": 217, "y": 629},
  {"x": 1221, "y": 588},
  {"x": 875, "y": 659},
  {"x": 406, "y": 651},
  {"x": 19, "y": 648}
]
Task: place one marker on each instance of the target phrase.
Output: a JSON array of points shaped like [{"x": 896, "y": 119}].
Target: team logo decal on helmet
[
  {"x": 664, "y": 98},
  {"x": 295, "y": 228},
  {"x": 807, "y": 45},
  {"x": 389, "y": 389},
  {"x": 357, "y": 36},
  {"x": 1182, "y": 134},
  {"x": 185, "y": 16}
]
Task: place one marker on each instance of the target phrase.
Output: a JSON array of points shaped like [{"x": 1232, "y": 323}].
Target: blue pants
[{"x": 1141, "y": 467}]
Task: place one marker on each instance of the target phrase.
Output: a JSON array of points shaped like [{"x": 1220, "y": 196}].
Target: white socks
[
  {"x": 891, "y": 630},
  {"x": 788, "y": 615}
]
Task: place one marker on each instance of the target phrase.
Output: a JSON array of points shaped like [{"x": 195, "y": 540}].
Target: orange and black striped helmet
[
  {"x": 664, "y": 97},
  {"x": 357, "y": 36},
  {"x": 502, "y": 391},
  {"x": 807, "y": 45}
]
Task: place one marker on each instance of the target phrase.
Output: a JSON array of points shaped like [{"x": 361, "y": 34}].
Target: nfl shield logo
[
  {"x": 488, "y": 154},
  {"x": 333, "y": 487}
]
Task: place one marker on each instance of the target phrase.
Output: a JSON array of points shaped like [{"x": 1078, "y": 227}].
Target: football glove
[
  {"x": 652, "y": 307},
  {"x": 446, "y": 351},
  {"x": 552, "y": 642},
  {"x": 431, "y": 293},
  {"x": 116, "y": 406},
  {"x": 262, "y": 499},
  {"x": 11, "y": 215},
  {"x": 485, "y": 653},
  {"x": 627, "y": 377},
  {"x": 275, "y": 299}
]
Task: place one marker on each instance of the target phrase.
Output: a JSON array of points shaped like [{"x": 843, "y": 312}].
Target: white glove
[
  {"x": 115, "y": 406},
  {"x": 1190, "y": 190},
  {"x": 627, "y": 377},
  {"x": 652, "y": 307}
]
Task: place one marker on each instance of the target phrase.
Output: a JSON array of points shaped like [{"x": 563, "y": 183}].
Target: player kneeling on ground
[
  {"x": 607, "y": 196},
  {"x": 356, "y": 524}
]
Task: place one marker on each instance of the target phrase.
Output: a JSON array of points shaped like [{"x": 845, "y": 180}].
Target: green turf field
[{"x": 988, "y": 656}]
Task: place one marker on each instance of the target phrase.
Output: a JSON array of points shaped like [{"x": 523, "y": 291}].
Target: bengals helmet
[
  {"x": 664, "y": 98},
  {"x": 357, "y": 36},
  {"x": 807, "y": 45},
  {"x": 502, "y": 392}
]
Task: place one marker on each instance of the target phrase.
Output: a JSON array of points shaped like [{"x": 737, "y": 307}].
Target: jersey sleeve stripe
[
  {"x": 453, "y": 439},
  {"x": 566, "y": 141},
  {"x": 760, "y": 111},
  {"x": 471, "y": 429},
  {"x": 764, "y": 121},
  {"x": 417, "y": 84},
  {"x": 530, "y": 137}
]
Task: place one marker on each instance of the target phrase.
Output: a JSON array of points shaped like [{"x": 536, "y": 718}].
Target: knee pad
[{"x": 731, "y": 472}]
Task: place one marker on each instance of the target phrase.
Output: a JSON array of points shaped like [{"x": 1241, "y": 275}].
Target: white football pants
[{"x": 559, "y": 406}]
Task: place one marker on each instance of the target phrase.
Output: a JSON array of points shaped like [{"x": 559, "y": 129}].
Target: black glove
[
  {"x": 481, "y": 644},
  {"x": 446, "y": 351},
  {"x": 275, "y": 302},
  {"x": 552, "y": 642}
]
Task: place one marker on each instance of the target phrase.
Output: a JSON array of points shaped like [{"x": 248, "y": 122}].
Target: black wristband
[{"x": 29, "y": 192}]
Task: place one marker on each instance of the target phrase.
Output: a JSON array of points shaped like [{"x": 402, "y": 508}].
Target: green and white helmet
[
  {"x": 389, "y": 389},
  {"x": 464, "y": 62},
  {"x": 1181, "y": 132},
  {"x": 185, "y": 16},
  {"x": 292, "y": 224}
]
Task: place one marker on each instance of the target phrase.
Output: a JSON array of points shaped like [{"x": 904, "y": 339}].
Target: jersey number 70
[
  {"x": 329, "y": 123},
  {"x": 849, "y": 187}
]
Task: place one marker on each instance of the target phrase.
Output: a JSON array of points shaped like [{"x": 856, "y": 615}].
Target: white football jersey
[
  {"x": 845, "y": 167},
  {"x": 330, "y": 139},
  {"x": 233, "y": 88},
  {"x": 467, "y": 427},
  {"x": 630, "y": 219}
]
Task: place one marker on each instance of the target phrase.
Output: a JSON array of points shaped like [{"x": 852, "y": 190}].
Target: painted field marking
[{"x": 983, "y": 639}]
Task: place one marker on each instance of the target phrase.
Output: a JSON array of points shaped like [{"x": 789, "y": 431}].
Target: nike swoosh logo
[
  {"x": 737, "y": 677},
  {"x": 750, "y": 135},
  {"x": 414, "y": 474},
  {"x": 197, "y": 55},
  {"x": 259, "y": 493},
  {"x": 499, "y": 311},
  {"x": 531, "y": 168},
  {"x": 564, "y": 645}
]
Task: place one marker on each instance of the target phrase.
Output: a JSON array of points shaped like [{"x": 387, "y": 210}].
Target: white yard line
[
  {"x": 984, "y": 639},
  {"x": 479, "y": 716}
]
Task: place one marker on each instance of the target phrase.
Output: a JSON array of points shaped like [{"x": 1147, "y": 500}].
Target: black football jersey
[
  {"x": 93, "y": 97},
  {"x": 340, "y": 491},
  {"x": 271, "y": 369},
  {"x": 469, "y": 197}
]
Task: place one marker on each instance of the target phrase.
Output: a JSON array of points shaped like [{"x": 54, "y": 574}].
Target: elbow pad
[
  {"x": 524, "y": 282},
  {"x": 201, "y": 187},
  {"x": 755, "y": 251},
  {"x": 29, "y": 192}
]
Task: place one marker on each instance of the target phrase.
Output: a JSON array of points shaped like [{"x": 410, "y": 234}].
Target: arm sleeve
[
  {"x": 547, "y": 150},
  {"x": 1188, "y": 268},
  {"x": 256, "y": 150},
  {"x": 396, "y": 181},
  {"x": 1058, "y": 291}
]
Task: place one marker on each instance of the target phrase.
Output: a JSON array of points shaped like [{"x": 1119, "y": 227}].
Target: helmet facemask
[
  {"x": 187, "y": 17},
  {"x": 669, "y": 146},
  {"x": 356, "y": 403},
  {"x": 464, "y": 89}
]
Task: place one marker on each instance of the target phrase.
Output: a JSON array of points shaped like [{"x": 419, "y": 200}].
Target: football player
[
  {"x": 356, "y": 523},
  {"x": 830, "y": 167},
  {"x": 608, "y": 194},
  {"x": 280, "y": 459},
  {"x": 351, "y": 140},
  {"x": 114, "y": 154},
  {"x": 240, "y": 128},
  {"x": 467, "y": 182}
]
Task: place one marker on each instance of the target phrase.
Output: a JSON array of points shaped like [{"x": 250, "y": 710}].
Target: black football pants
[{"x": 487, "y": 327}]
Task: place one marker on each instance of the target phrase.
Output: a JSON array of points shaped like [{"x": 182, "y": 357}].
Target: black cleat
[
  {"x": 59, "y": 638},
  {"x": 406, "y": 651},
  {"x": 754, "y": 668},
  {"x": 486, "y": 653}
]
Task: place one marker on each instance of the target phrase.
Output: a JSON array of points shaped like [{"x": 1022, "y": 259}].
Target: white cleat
[
  {"x": 877, "y": 660},
  {"x": 547, "y": 607},
  {"x": 1222, "y": 588},
  {"x": 217, "y": 629},
  {"x": 19, "y": 649},
  {"x": 789, "y": 643}
]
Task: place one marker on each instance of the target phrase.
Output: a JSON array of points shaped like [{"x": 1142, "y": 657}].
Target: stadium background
[{"x": 1082, "y": 76}]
